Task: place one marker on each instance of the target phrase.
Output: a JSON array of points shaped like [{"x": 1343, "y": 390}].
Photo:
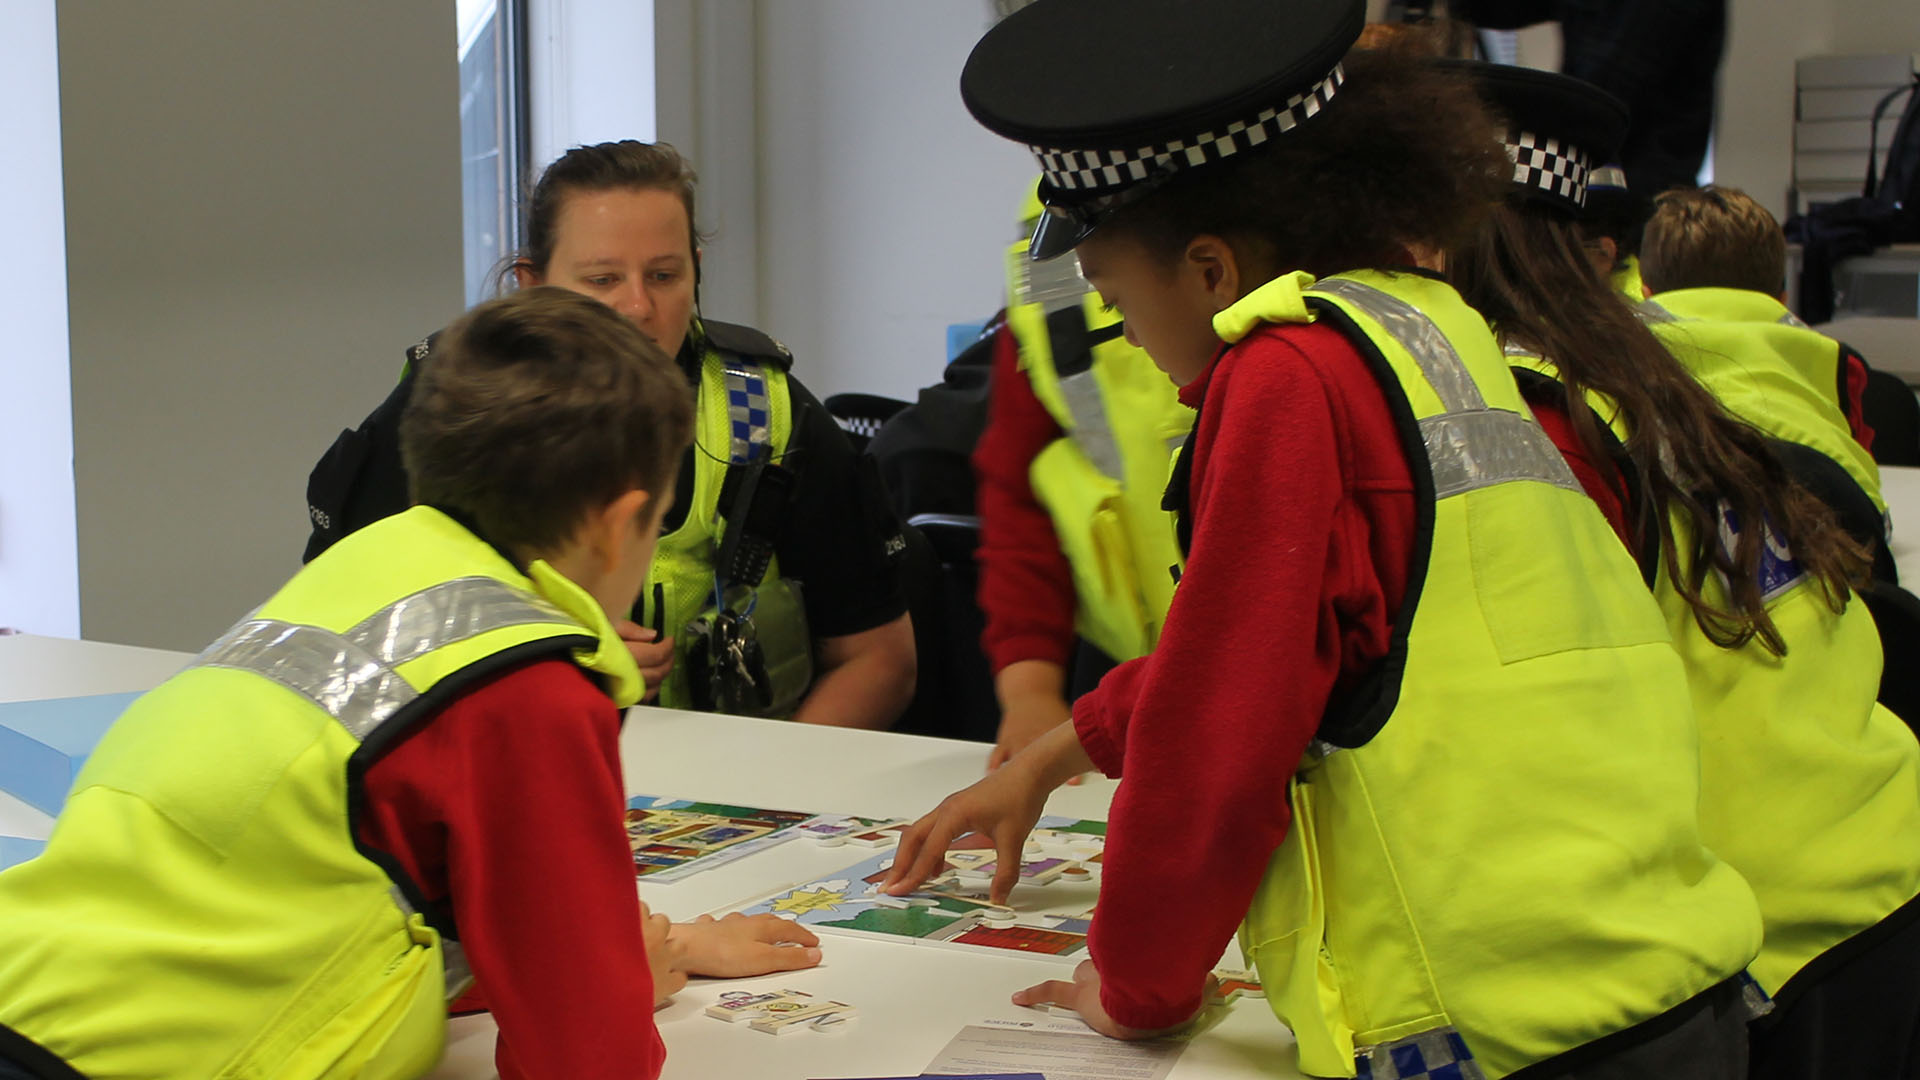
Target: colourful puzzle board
[
  {"x": 1049, "y": 919},
  {"x": 672, "y": 838}
]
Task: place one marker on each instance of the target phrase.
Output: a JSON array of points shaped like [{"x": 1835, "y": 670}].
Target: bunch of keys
[{"x": 736, "y": 675}]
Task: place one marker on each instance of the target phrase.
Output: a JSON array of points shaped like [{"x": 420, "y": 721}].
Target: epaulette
[
  {"x": 419, "y": 351},
  {"x": 748, "y": 342}
]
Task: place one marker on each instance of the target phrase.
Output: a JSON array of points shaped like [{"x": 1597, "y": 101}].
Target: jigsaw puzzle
[
  {"x": 672, "y": 838},
  {"x": 1049, "y": 914}
]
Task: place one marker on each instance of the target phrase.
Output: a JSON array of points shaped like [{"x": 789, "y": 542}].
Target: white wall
[
  {"x": 591, "y": 74},
  {"x": 878, "y": 211},
  {"x": 1753, "y": 135},
  {"x": 263, "y": 210},
  {"x": 39, "y": 570}
]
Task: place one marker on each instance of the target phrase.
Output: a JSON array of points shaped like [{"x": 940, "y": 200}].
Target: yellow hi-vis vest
[
  {"x": 1808, "y": 786},
  {"x": 202, "y": 909},
  {"x": 1766, "y": 367},
  {"x": 1626, "y": 279},
  {"x": 1495, "y": 848},
  {"x": 743, "y": 414},
  {"x": 1101, "y": 482}
]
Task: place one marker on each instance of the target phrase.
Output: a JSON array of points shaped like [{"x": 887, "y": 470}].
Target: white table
[
  {"x": 912, "y": 999},
  {"x": 1900, "y": 486}
]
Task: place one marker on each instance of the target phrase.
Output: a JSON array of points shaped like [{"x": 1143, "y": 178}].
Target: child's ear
[
  {"x": 1213, "y": 259},
  {"x": 524, "y": 275},
  {"x": 614, "y": 525}
]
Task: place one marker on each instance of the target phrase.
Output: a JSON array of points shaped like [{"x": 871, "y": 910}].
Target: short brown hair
[
  {"x": 538, "y": 408},
  {"x": 1712, "y": 237},
  {"x": 1405, "y": 153}
]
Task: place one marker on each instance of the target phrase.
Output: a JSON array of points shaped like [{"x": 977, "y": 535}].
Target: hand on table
[
  {"x": 665, "y": 957},
  {"x": 1002, "y": 806},
  {"x": 1082, "y": 995},
  {"x": 655, "y": 657},
  {"x": 740, "y": 945}
]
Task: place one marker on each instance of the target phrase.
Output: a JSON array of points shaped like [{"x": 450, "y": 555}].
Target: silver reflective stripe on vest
[
  {"x": 351, "y": 676},
  {"x": 443, "y": 614},
  {"x": 1654, "y": 313},
  {"x": 344, "y": 680},
  {"x": 1472, "y": 450},
  {"x": 1418, "y": 335},
  {"x": 1055, "y": 284},
  {"x": 1469, "y": 446},
  {"x": 1790, "y": 319},
  {"x": 1092, "y": 430}
]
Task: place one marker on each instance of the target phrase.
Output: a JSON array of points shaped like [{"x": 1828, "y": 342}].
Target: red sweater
[
  {"x": 1303, "y": 529},
  {"x": 509, "y": 805},
  {"x": 1026, "y": 586}
]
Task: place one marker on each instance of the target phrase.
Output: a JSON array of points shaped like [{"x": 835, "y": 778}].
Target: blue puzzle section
[
  {"x": 44, "y": 743},
  {"x": 18, "y": 849}
]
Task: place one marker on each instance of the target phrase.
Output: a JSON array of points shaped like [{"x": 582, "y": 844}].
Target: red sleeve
[
  {"x": 1303, "y": 526},
  {"x": 508, "y": 804},
  {"x": 1853, "y": 387},
  {"x": 1026, "y": 586},
  {"x": 1602, "y": 482}
]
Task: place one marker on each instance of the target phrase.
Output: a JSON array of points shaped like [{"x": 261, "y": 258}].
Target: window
[{"x": 493, "y": 135}]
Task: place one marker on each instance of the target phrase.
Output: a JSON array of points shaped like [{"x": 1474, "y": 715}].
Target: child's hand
[
  {"x": 665, "y": 957},
  {"x": 741, "y": 945},
  {"x": 1082, "y": 995},
  {"x": 1002, "y": 807},
  {"x": 654, "y": 657}
]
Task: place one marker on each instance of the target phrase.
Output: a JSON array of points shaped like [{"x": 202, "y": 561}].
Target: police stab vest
[
  {"x": 1494, "y": 855},
  {"x": 1121, "y": 419},
  {"x": 202, "y": 908},
  {"x": 1808, "y": 786},
  {"x": 1766, "y": 367},
  {"x": 743, "y": 414}
]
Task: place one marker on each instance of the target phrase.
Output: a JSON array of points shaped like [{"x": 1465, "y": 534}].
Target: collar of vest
[
  {"x": 1731, "y": 305},
  {"x": 609, "y": 658}
]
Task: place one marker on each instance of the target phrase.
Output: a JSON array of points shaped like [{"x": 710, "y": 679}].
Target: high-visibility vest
[
  {"x": 1766, "y": 367},
  {"x": 1495, "y": 847},
  {"x": 1121, "y": 420},
  {"x": 744, "y": 415},
  {"x": 202, "y": 908},
  {"x": 1809, "y": 787}
]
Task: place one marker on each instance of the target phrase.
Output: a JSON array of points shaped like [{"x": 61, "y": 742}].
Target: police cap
[
  {"x": 1559, "y": 129},
  {"x": 1114, "y": 96}
]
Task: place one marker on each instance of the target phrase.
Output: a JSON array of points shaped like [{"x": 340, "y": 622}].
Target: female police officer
[{"x": 770, "y": 498}]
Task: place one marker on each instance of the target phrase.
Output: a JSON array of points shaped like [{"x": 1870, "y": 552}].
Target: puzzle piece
[
  {"x": 737, "y": 1005},
  {"x": 1234, "y": 984},
  {"x": 786, "y": 1021}
]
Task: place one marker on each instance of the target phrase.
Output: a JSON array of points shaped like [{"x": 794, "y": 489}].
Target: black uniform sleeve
[
  {"x": 360, "y": 479},
  {"x": 843, "y": 542}
]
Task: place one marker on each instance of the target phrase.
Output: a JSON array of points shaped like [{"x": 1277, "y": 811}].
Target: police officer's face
[
  {"x": 629, "y": 250},
  {"x": 1168, "y": 308}
]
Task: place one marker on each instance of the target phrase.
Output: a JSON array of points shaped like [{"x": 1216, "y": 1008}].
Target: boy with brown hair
[
  {"x": 1714, "y": 264},
  {"x": 399, "y": 774},
  {"x": 1712, "y": 237}
]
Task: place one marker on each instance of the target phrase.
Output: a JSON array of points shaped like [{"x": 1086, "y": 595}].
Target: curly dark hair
[{"x": 1403, "y": 155}]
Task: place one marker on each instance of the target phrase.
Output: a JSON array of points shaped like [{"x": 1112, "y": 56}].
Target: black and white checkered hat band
[
  {"x": 1549, "y": 165},
  {"x": 1104, "y": 171}
]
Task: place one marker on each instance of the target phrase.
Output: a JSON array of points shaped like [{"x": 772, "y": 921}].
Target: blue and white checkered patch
[
  {"x": 1440, "y": 1054},
  {"x": 749, "y": 412}
]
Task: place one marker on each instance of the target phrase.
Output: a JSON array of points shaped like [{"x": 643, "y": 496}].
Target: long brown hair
[
  {"x": 1525, "y": 271},
  {"x": 627, "y": 165}
]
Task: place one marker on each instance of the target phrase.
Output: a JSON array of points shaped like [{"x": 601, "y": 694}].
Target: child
[
  {"x": 1808, "y": 787},
  {"x": 400, "y": 770},
  {"x": 1412, "y": 715},
  {"x": 1714, "y": 263}
]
